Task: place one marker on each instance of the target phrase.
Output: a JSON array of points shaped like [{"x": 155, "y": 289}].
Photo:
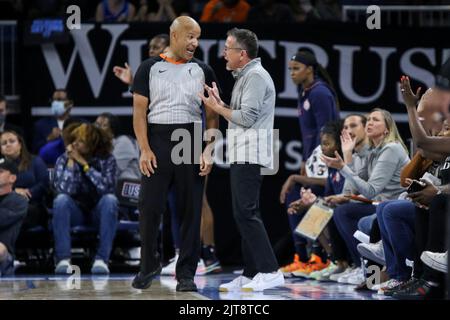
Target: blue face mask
[{"x": 58, "y": 108}]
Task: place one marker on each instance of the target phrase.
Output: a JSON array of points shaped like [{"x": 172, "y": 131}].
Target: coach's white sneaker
[
  {"x": 234, "y": 285},
  {"x": 264, "y": 281}
]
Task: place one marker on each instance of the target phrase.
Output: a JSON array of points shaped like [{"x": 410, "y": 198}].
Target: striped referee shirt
[{"x": 172, "y": 89}]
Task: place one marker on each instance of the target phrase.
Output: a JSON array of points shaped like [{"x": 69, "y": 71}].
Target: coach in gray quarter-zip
[{"x": 250, "y": 118}]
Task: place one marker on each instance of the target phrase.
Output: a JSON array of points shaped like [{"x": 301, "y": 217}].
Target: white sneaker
[
  {"x": 436, "y": 261},
  {"x": 200, "y": 268},
  {"x": 135, "y": 255},
  {"x": 99, "y": 267},
  {"x": 361, "y": 236},
  {"x": 18, "y": 264},
  {"x": 264, "y": 281},
  {"x": 325, "y": 276},
  {"x": 373, "y": 252},
  {"x": 234, "y": 285},
  {"x": 344, "y": 278},
  {"x": 63, "y": 266},
  {"x": 335, "y": 276},
  {"x": 324, "y": 273},
  {"x": 357, "y": 278},
  {"x": 409, "y": 263},
  {"x": 169, "y": 270}
]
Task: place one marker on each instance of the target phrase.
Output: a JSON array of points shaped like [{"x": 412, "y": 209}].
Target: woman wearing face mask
[
  {"x": 32, "y": 180},
  {"x": 388, "y": 155},
  {"x": 50, "y": 151},
  {"x": 49, "y": 128}
]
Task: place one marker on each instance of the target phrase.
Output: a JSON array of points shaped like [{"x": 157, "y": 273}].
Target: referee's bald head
[{"x": 183, "y": 23}]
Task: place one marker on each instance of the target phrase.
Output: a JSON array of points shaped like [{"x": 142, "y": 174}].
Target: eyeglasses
[{"x": 225, "y": 48}]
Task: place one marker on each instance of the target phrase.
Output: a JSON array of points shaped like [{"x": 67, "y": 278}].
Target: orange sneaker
[
  {"x": 314, "y": 264},
  {"x": 288, "y": 269}
]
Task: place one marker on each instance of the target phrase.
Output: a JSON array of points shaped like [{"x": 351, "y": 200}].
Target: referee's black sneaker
[
  {"x": 141, "y": 281},
  {"x": 186, "y": 285}
]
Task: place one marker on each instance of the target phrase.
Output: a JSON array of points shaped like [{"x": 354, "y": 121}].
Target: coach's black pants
[
  {"x": 153, "y": 199},
  {"x": 257, "y": 251}
]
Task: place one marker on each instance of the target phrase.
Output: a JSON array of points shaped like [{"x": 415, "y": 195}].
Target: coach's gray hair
[{"x": 247, "y": 40}]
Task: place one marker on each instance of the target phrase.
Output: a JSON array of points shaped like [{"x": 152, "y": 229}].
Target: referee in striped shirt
[{"x": 167, "y": 87}]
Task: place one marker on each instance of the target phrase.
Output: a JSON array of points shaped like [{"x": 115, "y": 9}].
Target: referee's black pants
[
  {"x": 153, "y": 199},
  {"x": 257, "y": 252}
]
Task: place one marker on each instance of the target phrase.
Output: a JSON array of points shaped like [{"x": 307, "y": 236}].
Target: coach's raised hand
[{"x": 212, "y": 101}]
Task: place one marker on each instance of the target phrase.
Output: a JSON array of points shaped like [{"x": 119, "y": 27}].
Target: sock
[
  {"x": 300, "y": 249},
  {"x": 319, "y": 251}
]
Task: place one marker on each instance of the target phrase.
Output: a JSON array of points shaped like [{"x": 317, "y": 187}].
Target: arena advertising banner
[{"x": 365, "y": 65}]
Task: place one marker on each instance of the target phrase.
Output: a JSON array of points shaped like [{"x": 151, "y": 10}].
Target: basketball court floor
[{"x": 118, "y": 287}]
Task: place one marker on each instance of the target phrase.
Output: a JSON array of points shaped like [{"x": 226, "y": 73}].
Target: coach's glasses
[{"x": 225, "y": 48}]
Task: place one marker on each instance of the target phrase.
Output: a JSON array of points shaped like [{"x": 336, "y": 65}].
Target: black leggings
[{"x": 338, "y": 247}]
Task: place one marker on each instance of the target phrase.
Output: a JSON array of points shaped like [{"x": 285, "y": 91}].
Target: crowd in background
[
  {"x": 205, "y": 11},
  {"x": 389, "y": 206}
]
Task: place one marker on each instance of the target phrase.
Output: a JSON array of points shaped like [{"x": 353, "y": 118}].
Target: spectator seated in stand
[
  {"x": 125, "y": 148},
  {"x": 50, "y": 128},
  {"x": 13, "y": 209},
  {"x": 84, "y": 182},
  {"x": 32, "y": 178}
]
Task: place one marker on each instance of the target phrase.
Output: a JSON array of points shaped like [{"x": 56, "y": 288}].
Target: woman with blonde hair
[{"x": 388, "y": 155}]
